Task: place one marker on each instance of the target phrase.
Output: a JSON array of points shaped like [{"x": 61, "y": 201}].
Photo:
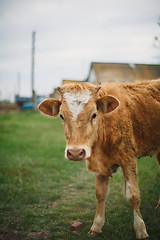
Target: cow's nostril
[
  {"x": 76, "y": 154},
  {"x": 82, "y": 153},
  {"x": 69, "y": 155}
]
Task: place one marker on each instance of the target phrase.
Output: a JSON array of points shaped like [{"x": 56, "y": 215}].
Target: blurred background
[{"x": 45, "y": 43}]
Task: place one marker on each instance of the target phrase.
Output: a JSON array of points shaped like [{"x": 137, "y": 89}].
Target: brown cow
[{"x": 110, "y": 126}]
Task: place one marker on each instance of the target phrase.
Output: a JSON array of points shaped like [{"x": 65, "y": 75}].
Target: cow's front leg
[
  {"x": 158, "y": 160},
  {"x": 132, "y": 195},
  {"x": 101, "y": 191}
]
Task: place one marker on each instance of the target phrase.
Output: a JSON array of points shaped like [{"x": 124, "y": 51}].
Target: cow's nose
[{"x": 76, "y": 154}]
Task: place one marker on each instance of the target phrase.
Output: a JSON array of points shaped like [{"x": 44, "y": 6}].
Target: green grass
[{"x": 41, "y": 193}]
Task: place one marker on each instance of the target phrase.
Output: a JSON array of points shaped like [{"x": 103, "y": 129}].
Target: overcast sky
[{"x": 70, "y": 34}]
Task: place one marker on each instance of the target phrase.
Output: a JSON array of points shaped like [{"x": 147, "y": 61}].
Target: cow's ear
[
  {"x": 50, "y": 107},
  {"x": 107, "y": 104}
]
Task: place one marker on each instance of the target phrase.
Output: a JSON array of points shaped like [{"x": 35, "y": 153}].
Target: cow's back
[{"x": 139, "y": 110}]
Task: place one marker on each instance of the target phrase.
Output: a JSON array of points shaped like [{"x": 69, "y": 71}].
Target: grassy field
[{"x": 42, "y": 194}]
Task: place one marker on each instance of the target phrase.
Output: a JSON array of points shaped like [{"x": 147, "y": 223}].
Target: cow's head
[{"x": 80, "y": 108}]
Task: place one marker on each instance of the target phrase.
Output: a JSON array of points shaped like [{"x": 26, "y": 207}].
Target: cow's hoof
[
  {"x": 147, "y": 238},
  {"x": 92, "y": 233},
  {"x": 158, "y": 205}
]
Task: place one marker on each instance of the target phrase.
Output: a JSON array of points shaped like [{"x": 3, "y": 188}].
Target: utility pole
[
  {"x": 34, "y": 100},
  {"x": 19, "y": 83}
]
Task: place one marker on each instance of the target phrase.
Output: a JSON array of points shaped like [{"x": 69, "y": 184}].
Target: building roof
[
  {"x": 70, "y": 81},
  {"x": 123, "y": 72}
]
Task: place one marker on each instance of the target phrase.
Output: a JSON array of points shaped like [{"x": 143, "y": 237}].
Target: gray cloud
[{"x": 70, "y": 34}]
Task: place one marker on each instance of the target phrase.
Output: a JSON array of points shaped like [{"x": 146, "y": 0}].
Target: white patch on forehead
[{"x": 76, "y": 101}]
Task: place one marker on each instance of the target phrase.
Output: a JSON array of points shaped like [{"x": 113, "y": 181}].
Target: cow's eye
[
  {"x": 61, "y": 116},
  {"x": 94, "y": 116}
]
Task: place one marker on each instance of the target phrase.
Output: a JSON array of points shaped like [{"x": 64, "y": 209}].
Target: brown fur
[
  {"x": 127, "y": 126},
  {"x": 133, "y": 129}
]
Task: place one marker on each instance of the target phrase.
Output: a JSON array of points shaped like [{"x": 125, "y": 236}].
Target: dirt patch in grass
[
  {"x": 11, "y": 234},
  {"x": 38, "y": 235}
]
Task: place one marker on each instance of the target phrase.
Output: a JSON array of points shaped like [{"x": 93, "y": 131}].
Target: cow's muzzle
[{"x": 76, "y": 154}]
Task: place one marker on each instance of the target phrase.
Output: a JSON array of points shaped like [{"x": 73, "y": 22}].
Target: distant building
[
  {"x": 70, "y": 81},
  {"x": 100, "y": 72},
  {"x": 27, "y": 103},
  {"x": 122, "y": 72}
]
